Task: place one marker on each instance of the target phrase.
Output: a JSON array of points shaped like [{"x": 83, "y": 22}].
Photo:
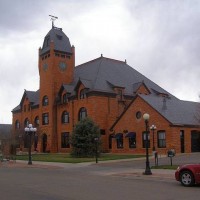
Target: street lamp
[
  {"x": 153, "y": 127},
  {"x": 96, "y": 139},
  {"x": 29, "y": 131},
  {"x": 146, "y": 120}
]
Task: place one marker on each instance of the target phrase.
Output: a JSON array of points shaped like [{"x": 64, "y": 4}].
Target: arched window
[
  {"x": 65, "y": 117},
  {"x": 45, "y": 101},
  {"x": 36, "y": 121},
  {"x": 17, "y": 124},
  {"x": 83, "y": 94},
  {"x": 26, "y": 122},
  {"x": 82, "y": 113}
]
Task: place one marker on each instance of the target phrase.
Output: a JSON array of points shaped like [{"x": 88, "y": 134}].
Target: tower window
[
  {"x": 17, "y": 124},
  {"x": 59, "y": 37},
  {"x": 26, "y": 122},
  {"x": 45, "y": 118},
  {"x": 45, "y": 101}
]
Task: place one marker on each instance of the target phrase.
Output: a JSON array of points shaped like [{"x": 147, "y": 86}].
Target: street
[{"x": 114, "y": 181}]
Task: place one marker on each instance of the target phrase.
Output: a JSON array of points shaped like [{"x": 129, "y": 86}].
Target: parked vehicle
[{"x": 188, "y": 174}]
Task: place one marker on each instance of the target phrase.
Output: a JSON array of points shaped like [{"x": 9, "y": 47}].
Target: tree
[{"x": 83, "y": 138}]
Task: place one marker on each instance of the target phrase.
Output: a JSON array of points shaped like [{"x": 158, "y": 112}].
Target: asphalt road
[{"x": 102, "y": 181}]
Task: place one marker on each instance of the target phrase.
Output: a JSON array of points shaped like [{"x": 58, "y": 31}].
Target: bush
[{"x": 83, "y": 138}]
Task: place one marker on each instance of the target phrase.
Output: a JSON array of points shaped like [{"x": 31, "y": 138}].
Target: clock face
[
  {"x": 62, "y": 66},
  {"x": 45, "y": 66}
]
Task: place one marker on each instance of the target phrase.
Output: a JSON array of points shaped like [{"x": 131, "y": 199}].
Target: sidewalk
[{"x": 126, "y": 172}]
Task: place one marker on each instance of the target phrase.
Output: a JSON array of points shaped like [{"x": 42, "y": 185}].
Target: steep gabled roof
[
  {"x": 176, "y": 111},
  {"x": 33, "y": 97}
]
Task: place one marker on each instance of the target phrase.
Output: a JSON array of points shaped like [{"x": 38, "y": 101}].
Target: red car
[{"x": 188, "y": 174}]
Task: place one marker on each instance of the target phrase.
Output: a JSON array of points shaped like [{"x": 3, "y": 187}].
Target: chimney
[{"x": 164, "y": 107}]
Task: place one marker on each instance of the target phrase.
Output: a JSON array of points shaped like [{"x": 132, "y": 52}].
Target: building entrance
[
  {"x": 44, "y": 142},
  {"x": 195, "y": 141}
]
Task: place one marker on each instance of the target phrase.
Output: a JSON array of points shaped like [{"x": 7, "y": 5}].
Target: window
[
  {"x": 83, "y": 94},
  {"x": 26, "y": 122},
  {"x": 132, "y": 142},
  {"x": 59, "y": 36},
  {"x": 119, "y": 138},
  {"x": 45, "y": 118},
  {"x": 161, "y": 139},
  {"x": 138, "y": 115},
  {"x": 65, "y": 117},
  {"x": 65, "y": 141},
  {"x": 45, "y": 101},
  {"x": 36, "y": 121},
  {"x": 144, "y": 139},
  {"x": 132, "y": 139},
  {"x": 82, "y": 113},
  {"x": 65, "y": 100},
  {"x": 17, "y": 124},
  {"x": 120, "y": 94}
]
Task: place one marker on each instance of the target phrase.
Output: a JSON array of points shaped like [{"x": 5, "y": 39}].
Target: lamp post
[
  {"x": 96, "y": 139},
  {"x": 153, "y": 128},
  {"x": 29, "y": 131},
  {"x": 146, "y": 120}
]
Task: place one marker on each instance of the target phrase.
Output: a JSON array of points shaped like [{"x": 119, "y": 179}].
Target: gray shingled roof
[
  {"x": 176, "y": 111},
  {"x": 104, "y": 72},
  {"x": 61, "y": 41},
  {"x": 33, "y": 97},
  {"x": 5, "y": 130}
]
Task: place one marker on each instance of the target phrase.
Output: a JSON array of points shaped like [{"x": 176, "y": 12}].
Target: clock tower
[{"x": 56, "y": 67}]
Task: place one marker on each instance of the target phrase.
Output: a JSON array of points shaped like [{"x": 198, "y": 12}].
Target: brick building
[{"x": 110, "y": 92}]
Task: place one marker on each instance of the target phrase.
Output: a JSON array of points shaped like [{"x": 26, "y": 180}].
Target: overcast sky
[{"x": 159, "y": 38}]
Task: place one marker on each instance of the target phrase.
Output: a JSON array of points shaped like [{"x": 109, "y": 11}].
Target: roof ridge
[{"x": 101, "y": 57}]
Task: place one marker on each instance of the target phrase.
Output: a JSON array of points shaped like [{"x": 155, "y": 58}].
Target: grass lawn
[
  {"x": 66, "y": 158},
  {"x": 165, "y": 167}
]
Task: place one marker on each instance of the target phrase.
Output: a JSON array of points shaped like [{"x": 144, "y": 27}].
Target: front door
[
  {"x": 182, "y": 138},
  {"x": 44, "y": 143},
  {"x": 195, "y": 141}
]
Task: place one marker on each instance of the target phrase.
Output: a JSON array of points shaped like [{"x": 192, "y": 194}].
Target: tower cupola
[{"x": 60, "y": 40}]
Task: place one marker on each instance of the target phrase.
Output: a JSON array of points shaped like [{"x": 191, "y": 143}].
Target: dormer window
[
  {"x": 83, "y": 94},
  {"x": 65, "y": 100},
  {"x": 120, "y": 94},
  {"x": 59, "y": 36}
]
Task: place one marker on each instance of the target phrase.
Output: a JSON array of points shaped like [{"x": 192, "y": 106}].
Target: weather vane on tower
[{"x": 53, "y": 18}]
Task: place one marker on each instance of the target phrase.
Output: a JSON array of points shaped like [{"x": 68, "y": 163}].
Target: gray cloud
[{"x": 161, "y": 39}]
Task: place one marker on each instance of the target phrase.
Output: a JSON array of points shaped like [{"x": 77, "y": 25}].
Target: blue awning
[
  {"x": 131, "y": 135},
  {"x": 119, "y": 135}
]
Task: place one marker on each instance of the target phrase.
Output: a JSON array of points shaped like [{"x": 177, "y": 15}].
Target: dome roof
[{"x": 61, "y": 41}]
